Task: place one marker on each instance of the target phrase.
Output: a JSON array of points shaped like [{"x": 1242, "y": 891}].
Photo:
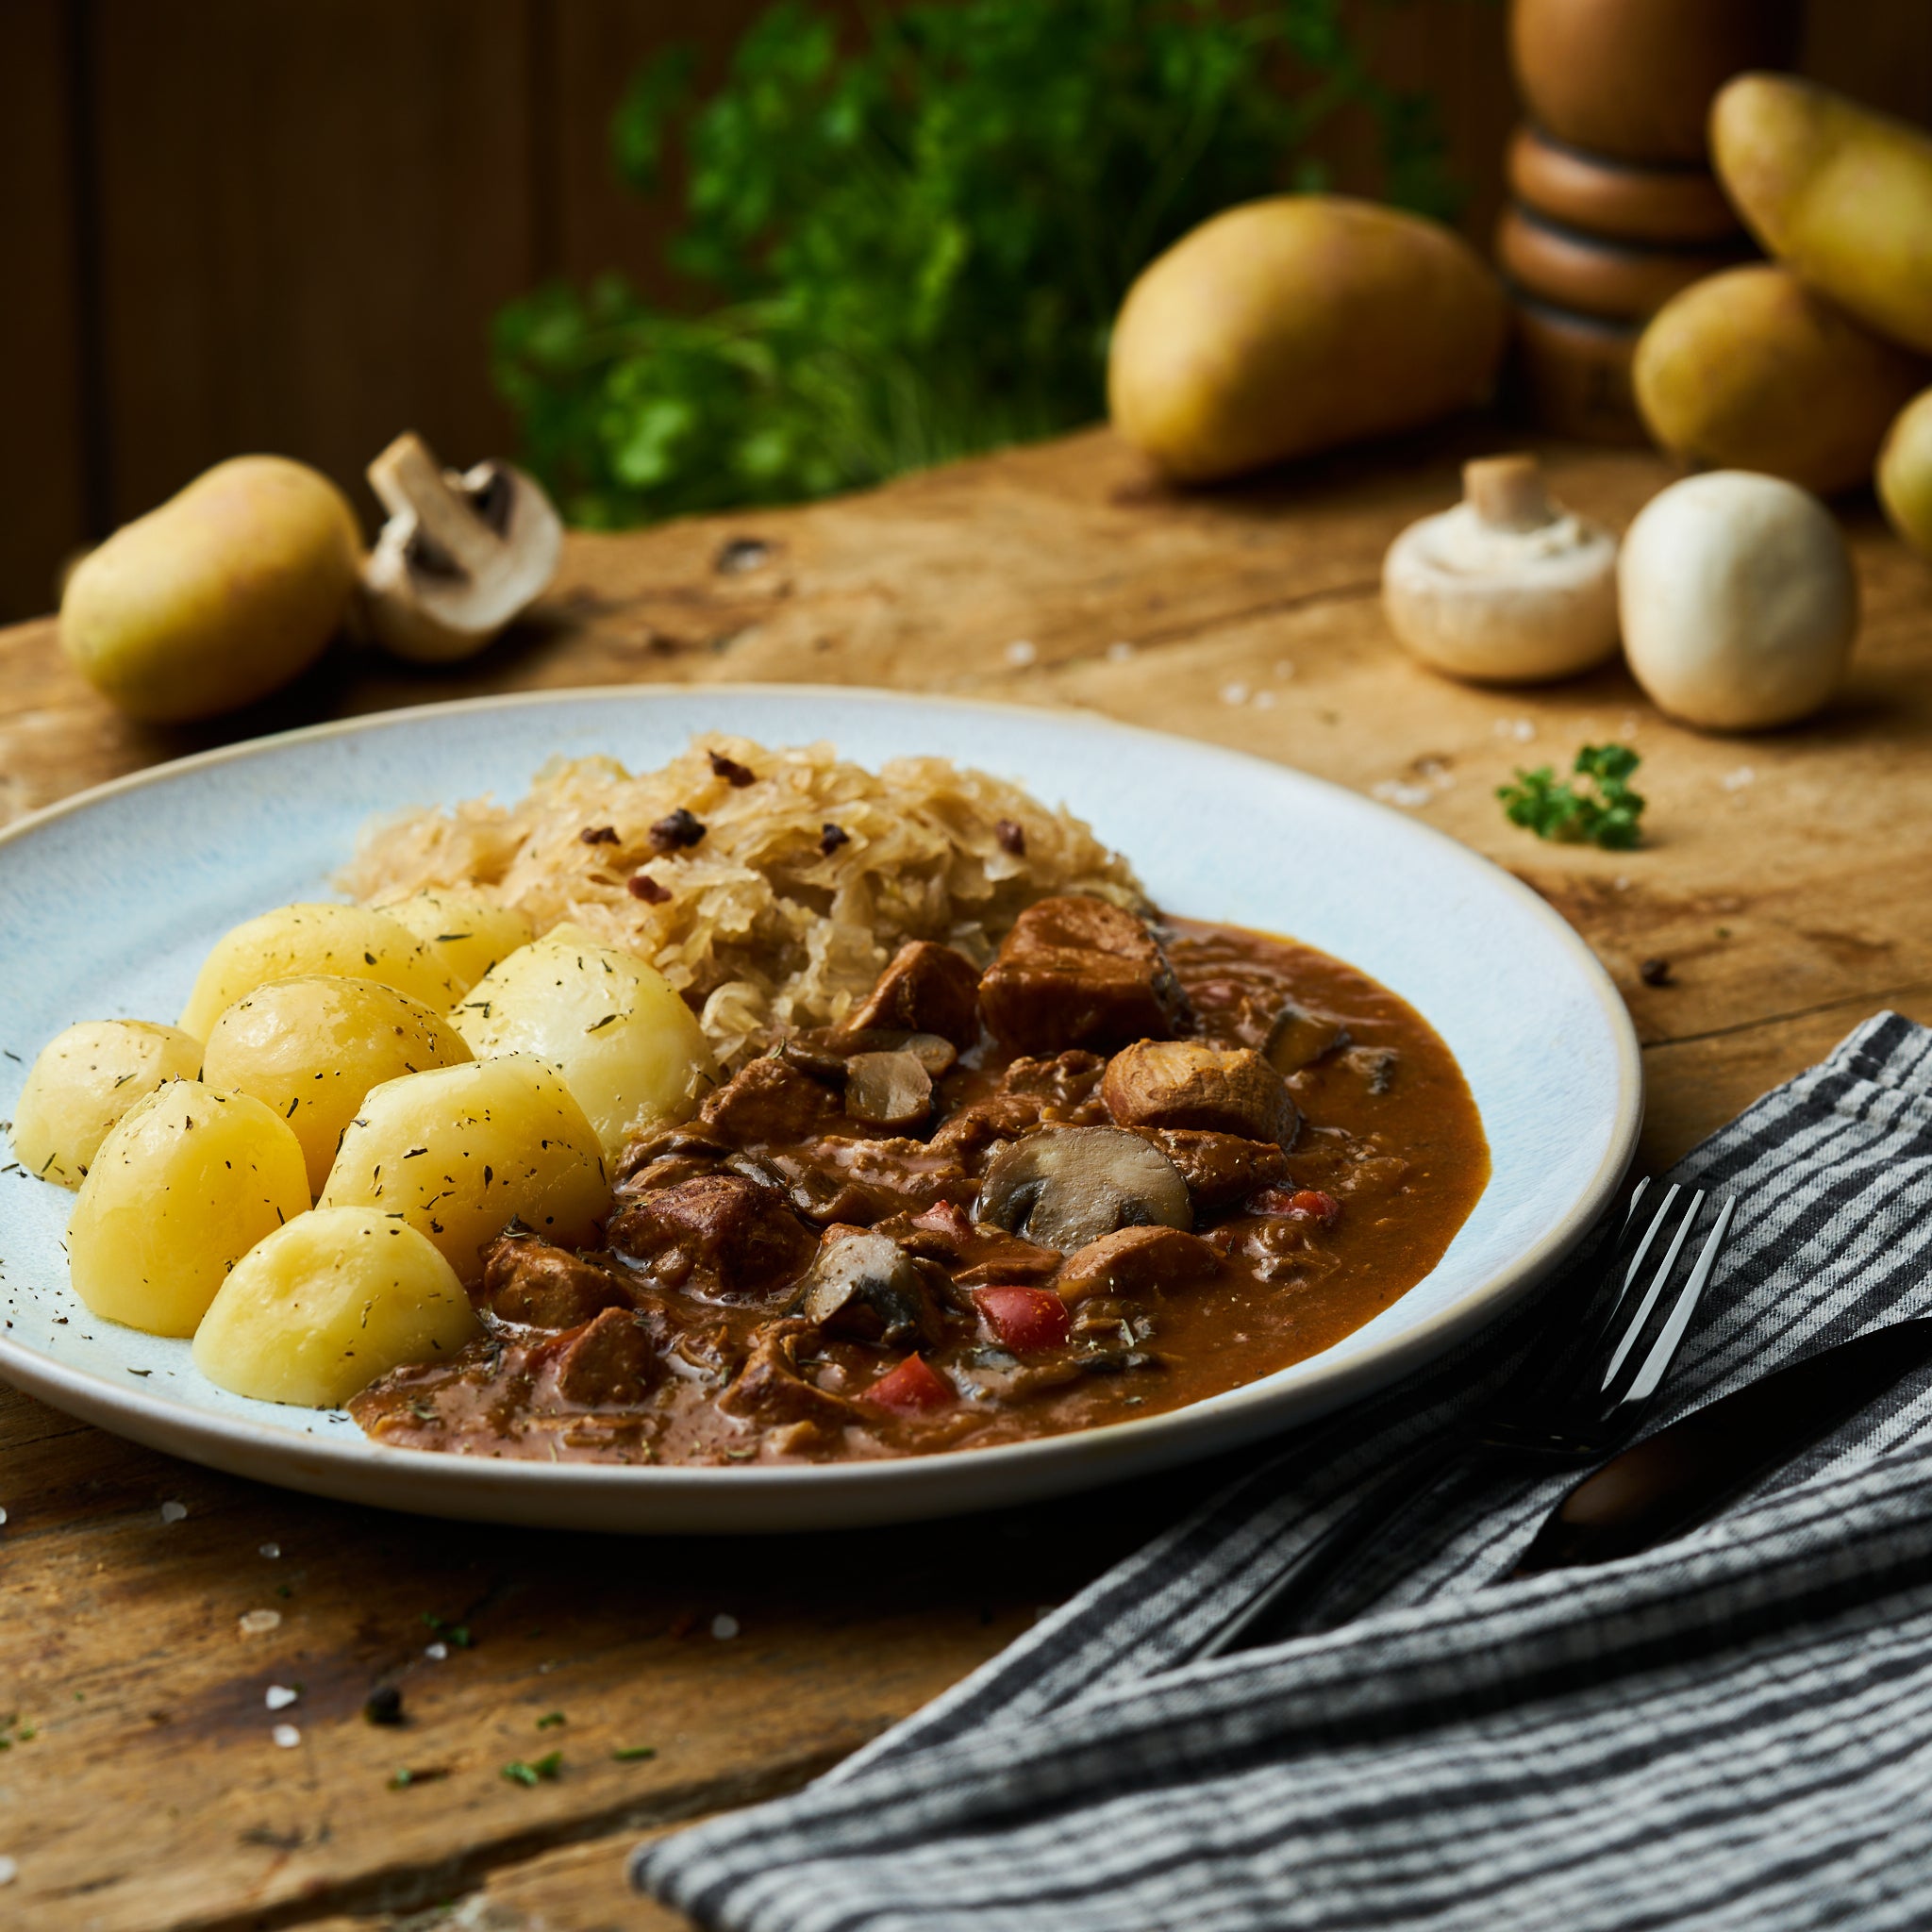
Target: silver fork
[{"x": 1580, "y": 1392}]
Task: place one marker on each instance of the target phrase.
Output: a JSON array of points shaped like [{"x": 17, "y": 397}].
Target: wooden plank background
[{"x": 226, "y": 225}]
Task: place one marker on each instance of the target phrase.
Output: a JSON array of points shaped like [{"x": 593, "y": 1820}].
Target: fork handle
[{"x": 1284, "y": 1607}]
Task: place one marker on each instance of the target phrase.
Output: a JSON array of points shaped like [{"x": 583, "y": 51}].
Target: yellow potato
[
  {"x": 468, "y": 936},
  {"x": 1905, "y": 474},
  {"x": 310, "y": 1049},
  {"x": 322, "y": 1306},
  {"x": 186, "y": 1184},
  {"x": 461, "y": 1152},
  {"x": 225, "y": 592},
  {"x": 84, "y": 1081},
  {"x": 1838, "y": 191},
  {"x": 296, "y": 942},
  {"x": 1297, "y": 323},
  {"x": 629, "y": 1048}
]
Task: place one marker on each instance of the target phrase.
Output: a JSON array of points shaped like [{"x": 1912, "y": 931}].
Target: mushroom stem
[
  {"x": 1507, "y": 493},
  {"x": 409, "y": 482}
]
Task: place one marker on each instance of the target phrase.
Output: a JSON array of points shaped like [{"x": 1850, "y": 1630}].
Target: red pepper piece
[
  {"x": 1026, "y": 1320},
  {"x": 910, "y": 1387},
  {"x": 1301, "y": 1204}
]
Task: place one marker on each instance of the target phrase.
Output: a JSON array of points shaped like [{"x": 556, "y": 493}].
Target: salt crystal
[
  {"x": 271, "y": 1549},
  {"x": 724, "y": 1626},
  {"x": 1120, "y": 653},
  {"x": 1264, "y": 701},
  {"x": 435, "y": 1652},
  {"x": 1235, "y": 694},
  {"x": 1522, "y": 729},
  {"x": 1394, "y": 792},
  {"x": 1620, "y": 883},
  {"x": 258, "y": 1623},
  {"x": 280, "y": 1696},
  {"x": 173, "y": 1512},
  {"x": 1284, "y": 669},
  {"x": 9, "y": 1870},
  {"x": 1020, "y": 652},
  {"x": 1736, "y": 781},
  {"x": 287, "y": 1736}
]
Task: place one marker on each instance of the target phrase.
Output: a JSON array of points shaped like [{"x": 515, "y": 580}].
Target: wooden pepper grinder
[{"x": 1613, "y": 206}]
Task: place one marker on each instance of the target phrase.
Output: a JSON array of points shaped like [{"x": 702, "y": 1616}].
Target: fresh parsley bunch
[
  {"x": 915, "y": 247},
  {"x": 1599, "y": 809}
]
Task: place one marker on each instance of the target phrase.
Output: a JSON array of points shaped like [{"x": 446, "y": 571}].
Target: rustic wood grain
[{"x": 1790, "y": 904}]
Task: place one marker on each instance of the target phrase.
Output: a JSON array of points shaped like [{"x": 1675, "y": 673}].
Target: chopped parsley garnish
[
  {"x": 632, "y": 1754},
  {"x": 550, "y": 1719},
  {"x": 1597, "y": 809},
  {"x": 518, "y": 1772},
  {"x": 456, "y": 1635}
]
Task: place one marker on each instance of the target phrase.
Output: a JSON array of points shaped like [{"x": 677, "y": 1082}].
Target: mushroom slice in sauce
[
  {"x": 1062, "y": 1190},
  {"x": 1298, "y": 1039},
  {"x": 865, "y": 1285},
  {"x": 888, "y": 1089}
]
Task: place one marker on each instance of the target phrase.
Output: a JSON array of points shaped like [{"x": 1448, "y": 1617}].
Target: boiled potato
[
  {"x": 85, "y": 1080},
  {"x": 187, "y": 1183},
  {"x": 461, "y": 1152},
  {"x": 322, "y": 1306},
  {"x": 1296, "y": 323},
  {"x": 295, "y": 941},
  {"x": 467, "y": 935},
  {"x": 1905, "y": 474},
  {"x": 310, "y": 1049},
  {"x": 629, "y": 1048}
]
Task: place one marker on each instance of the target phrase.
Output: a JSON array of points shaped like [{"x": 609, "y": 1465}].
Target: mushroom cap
[
  {"x": 1501, "y": 606},
  {"x": 1070, "y": 1185},
  {"x": 1739, "y": 600}
]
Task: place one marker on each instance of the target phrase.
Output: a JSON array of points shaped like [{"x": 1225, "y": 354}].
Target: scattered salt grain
[
  {"x": 271, "y": 1549},
  {"x": 286, "y": 1736},
  {"x": 1120, "y": 653},
  {"x": 1394, "y": 792},
  {"x": 1264, "y": 701},
  {"x": 435, "y": 1652},
  {"x": 1235, "y": 694},
  {"x": 258, "y": 1623},
  {"x": 724, "y": 1626},
  {"x": 1620, "y": 883},
  {"x": 1522, "y": 729},
  {"x": 1284, "y": 669},
  {"x": 280, "y": 1696},
  {"x": 1020, "y": 652},
  {"x": 173, "y": 1512},
  {"x": 9, "y": 1870},
  {"x": 1736, "y": 781}
]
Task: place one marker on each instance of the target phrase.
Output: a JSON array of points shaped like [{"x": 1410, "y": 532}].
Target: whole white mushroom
[{"x": 1739, "y": 600}]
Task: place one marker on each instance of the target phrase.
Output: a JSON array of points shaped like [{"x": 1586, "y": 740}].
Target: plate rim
[{"x": 870, "y": 1488}]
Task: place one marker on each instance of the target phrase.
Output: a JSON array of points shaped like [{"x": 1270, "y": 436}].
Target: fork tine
[
  {"x": 1659, "y": 1281},
  {"x": 1665, "y": 1350}
]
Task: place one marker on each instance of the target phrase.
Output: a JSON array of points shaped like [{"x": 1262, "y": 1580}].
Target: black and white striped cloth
[{"x": 1732, "y": 1731}]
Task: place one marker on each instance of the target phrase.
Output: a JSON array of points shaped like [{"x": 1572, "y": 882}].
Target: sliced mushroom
[
  {"x": 1298, "y": 1039},
  {"x": 888, "y": 1089},
  {"x": 823, "y": 1052},
  {"x": 460, "y": 556},
  {"x": 1062, "y": 1190},
  {"x": 864, "y": 1284},
  {"x": 1214, "y": 1090}
]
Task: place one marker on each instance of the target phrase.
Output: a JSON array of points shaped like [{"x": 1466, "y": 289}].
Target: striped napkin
[{"x": 1734, "y": 1730}]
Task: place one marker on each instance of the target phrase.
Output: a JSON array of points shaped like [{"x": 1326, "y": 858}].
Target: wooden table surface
[{"x": 1785, "y": 878}]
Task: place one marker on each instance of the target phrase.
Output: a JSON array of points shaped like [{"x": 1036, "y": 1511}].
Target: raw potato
[
  {"x": 298, "y": 942},
  {"x": 310, "y": 1049},
  {"x": 84, "y": 1081},
  {"x": 1905, "y": 474},
  {"x": 462, "y": 1152},
  {"x": 218, "y": 597},
  {"x": 1297, "y": 323},
  {"x": 629, "y": 1048},
  {"x": 1841, "y": 193},
  {"x": 1749, "y": 370},
  {"x": 326, "y": 1305},
  {"x": 186, "y": 1184},
  {"x": 465, "y": 934}
]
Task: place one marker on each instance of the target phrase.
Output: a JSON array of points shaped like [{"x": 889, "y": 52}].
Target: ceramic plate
[{"x": 108, "y": 902}]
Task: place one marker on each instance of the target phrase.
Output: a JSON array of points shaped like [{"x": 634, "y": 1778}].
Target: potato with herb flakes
[
  {"x": 299, "y": 942},
  {"x": 84, "y": 1081},
  {"x": 181, "y": 1189},
  {"x": 310, "y": 1049},
  {"x": 323, "y": 1306},
  {"x": 467, "y": 935},
  {"x": 629, "y": 1048},
  {"x": 461, "y": 1152}
]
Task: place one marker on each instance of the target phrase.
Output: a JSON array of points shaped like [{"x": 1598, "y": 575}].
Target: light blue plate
[{"x": 108, "y": 902}]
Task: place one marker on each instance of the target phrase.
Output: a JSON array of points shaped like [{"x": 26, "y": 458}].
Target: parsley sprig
[{"x": 1595, "y": 807}]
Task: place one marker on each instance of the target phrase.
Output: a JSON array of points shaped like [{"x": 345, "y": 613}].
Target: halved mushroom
[
  {"x": 888, "y": 1089},
  {"x": 1064, "y": 1188},
  {"x": 1214, "y": 1090},
  {"x": 864, "y": 1284},
  {"x": 462, "y": 555}
]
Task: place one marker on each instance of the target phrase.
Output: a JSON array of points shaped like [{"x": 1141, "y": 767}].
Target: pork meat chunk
[
  {"x": 1135, "y": 1260},
  {"x": 608, "y": 1363},
  {"x": 1187, "y": 1084},
  {"x": 926, "y": 989},
  {"x": 529, "y": 1281},
  {"x": 768, "y": 1102},
  {"x": 717, "y": 1233},
  {"x": 1079, "y": 973}
]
